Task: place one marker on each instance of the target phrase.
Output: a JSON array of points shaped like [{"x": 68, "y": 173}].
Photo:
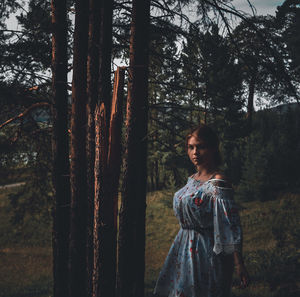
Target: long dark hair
[{"x": 210, "y": 138}]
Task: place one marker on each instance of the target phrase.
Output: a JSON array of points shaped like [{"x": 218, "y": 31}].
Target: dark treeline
[{"x": 213, "y": 65}]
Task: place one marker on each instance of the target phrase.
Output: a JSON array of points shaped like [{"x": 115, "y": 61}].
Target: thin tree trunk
[
  {"x": 205, "y": 109},
  {"x": 105, "y": 57},
  {"x": 132, "y": 215},
  {"x": 250, "y": 104},
  {"x": 115, "y": 138},
  {"x": 157, "y": 183},
  {"x": 114, "y": 157},
  {"x": 103, "y": 273},
  {"x": 60, "y": 148},
  {"x": 92, "y": 92},
  {"x": 102, "y": 210},
  {"x": 155, "y": 140},
  {"x": 77, "y": 264}
]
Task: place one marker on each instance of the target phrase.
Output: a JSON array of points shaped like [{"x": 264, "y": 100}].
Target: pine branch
[{"x": 24, "y": 113}]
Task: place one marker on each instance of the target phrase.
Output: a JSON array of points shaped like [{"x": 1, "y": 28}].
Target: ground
[{"x": 271, "y": 247}]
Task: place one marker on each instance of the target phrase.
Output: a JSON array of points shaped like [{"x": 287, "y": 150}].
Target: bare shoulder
[
  {"x": 222, "y": 181},
  {"x": 220, "y": 176}
]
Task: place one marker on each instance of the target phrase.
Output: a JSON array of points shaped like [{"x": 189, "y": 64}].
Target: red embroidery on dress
[{"x": 198, "y": 201}]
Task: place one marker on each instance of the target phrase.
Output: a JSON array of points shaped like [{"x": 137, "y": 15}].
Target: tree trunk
[
  {"x": 104, "y": 273},
  {"x": 103, "y": 209},
  {"x": 60, "y": 148},
  {"x": 77, "y": 264},
  {"x": 155, "y": 140},
  {"x": 115, "y": 138},
  {"x": 92, "y": 92},
  {"x": 105, "y": 57},
  {"x": 157, "y": 183},
  {"x": 114, "y": 157},
  {"x": 107, "y": 172},
  {"x": 132, "y": 215},
  {"x": 250, "y": 105}
]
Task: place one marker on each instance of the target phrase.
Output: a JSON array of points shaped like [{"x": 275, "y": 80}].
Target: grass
[
  {"x": 271, "y": 243},
  {"x": 14, "y": 175},
  {"x": 25, "y": 255},
  {"x": 271, "y": 247}
]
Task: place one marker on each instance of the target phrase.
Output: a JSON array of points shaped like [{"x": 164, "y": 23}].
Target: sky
[{"x": 263, "y": 7}]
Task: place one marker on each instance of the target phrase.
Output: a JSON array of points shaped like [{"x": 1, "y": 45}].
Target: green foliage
[
  {"x": 26, "y": 52},
  {"x": 35, "y": 46},
  {"x": 288, "y": 18},
  {"x": 270, "y": 159},
  {"x": 28, "y": 161},
  {"x": 278, "y": 265},
  {"x": 207, "y": 82}
]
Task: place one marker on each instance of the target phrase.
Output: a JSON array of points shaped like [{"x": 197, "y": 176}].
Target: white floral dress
[{"x": 210, "y": 232}]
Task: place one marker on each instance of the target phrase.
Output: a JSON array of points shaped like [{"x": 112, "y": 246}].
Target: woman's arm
[
  {"x": 237, "y": 254},
  {"x": 241, "y": 269}
]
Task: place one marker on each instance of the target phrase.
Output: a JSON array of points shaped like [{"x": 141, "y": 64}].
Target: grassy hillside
[{"x": 271, "y": 247}]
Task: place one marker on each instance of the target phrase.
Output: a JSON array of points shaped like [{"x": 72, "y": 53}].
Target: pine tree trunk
[
  {"x": 103, "y": 209},
  {"x": 115, "y": 139},
  {"x": 103, "y": 273},
  {"x": 157, "y": 183},
  {"x": 60, "y": 148},
  {"x": 155, "y": 140},
  {"x": 250, "y": 104},
  {"x": 107, "y": 172},
  {"x": 114, "y": 158},
  {"x": 132, "y": 215},
  {"x": 77, "y": 264},
  {"x": 92, "y": 92},
  {"x": 105, "y": 57}
]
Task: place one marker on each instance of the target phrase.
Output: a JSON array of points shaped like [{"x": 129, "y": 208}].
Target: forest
[{"x": 96, "y": 99}]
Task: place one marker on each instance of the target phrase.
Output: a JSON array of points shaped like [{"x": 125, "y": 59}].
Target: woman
[{"x": 209, "y": 243}]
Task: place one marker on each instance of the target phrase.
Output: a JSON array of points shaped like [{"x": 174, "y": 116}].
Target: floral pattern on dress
[{"x": 210, "y": 228}]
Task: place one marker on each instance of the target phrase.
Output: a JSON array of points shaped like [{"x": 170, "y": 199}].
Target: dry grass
[
  {"x": 26, "y": 263},
  {"x": 272, "y": 259}
]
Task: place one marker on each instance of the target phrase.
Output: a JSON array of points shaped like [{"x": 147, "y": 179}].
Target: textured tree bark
[
  {"x": 60, "y": 149},
  {"x": 103, "y": 209},
  {"x": 77, "y": 263},
  {"x": 92, "y": 92},
  {"x": 103, "y": 273},
  {"x": 131, "y": 258},
  {"x": 114, "y": 156},
  {"x": 107, "y": 172}
]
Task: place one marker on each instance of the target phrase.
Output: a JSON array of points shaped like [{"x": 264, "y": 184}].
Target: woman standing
[{"x": 209, "y": 243}]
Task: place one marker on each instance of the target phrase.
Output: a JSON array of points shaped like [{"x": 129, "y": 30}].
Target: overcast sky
[{"x": 262, "y": 6}]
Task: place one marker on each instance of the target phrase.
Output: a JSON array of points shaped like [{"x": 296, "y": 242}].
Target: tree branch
[{"x": 24, "y": 113}]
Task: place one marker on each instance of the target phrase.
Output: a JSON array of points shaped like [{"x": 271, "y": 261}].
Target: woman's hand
[
  {"x": 241, "y": 270},
  {"x": 243, "y": 275}
]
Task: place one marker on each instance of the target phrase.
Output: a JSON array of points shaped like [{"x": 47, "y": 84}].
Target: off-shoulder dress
[{"x": 200, "y": 260}]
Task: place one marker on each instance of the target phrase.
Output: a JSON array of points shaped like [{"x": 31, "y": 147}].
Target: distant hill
[{"x": 282, "y": 108}]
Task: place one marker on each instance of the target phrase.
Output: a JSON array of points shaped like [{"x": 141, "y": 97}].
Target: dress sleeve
[{"x": 227, "y": 226}]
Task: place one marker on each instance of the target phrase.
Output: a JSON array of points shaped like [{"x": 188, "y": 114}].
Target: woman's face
[{"x": 199, "y": 152}]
